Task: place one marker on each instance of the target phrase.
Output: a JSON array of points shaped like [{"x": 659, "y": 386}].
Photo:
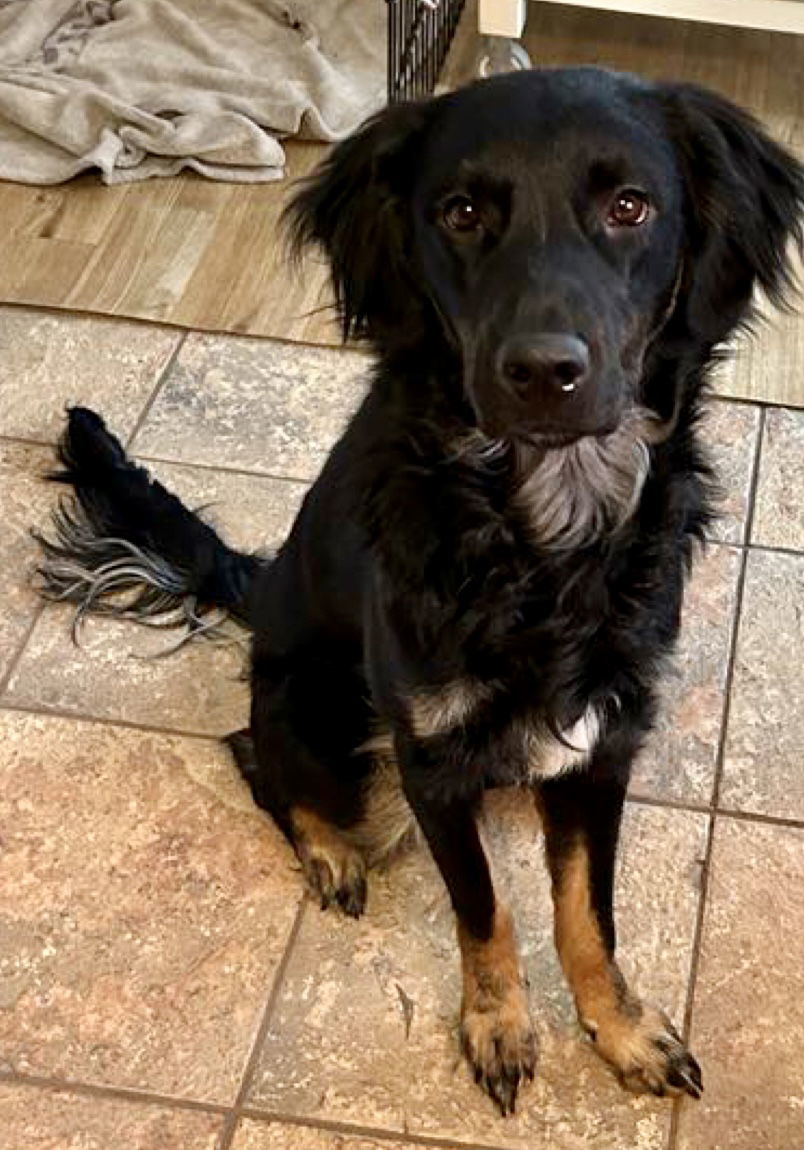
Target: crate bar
[{"x": 419, "y": 36}]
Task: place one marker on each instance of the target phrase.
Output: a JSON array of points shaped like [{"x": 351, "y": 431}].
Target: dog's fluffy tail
[{"x": 125, "y": 546}]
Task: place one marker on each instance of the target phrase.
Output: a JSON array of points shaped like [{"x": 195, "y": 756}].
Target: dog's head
[{"x": 552, "y": 228}]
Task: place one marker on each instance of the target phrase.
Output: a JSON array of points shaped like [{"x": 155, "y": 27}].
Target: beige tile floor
[{"x": 165, "y": 985}]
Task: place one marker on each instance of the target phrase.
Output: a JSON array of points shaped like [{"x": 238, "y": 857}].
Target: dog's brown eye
[
  {"x": 628, "y": 209},
  {"x": 460, "y": 214}
]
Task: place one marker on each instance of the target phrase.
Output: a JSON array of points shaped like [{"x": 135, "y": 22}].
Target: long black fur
[{"x": 414, "y": 564}]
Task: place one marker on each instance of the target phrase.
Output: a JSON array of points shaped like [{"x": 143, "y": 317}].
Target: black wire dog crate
[{"x": 419, "y": 35}]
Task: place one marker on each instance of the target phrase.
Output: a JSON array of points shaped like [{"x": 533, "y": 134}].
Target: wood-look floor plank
[
  {"x": 127, "y": 243},
  {"x": 40, "y": 272}
]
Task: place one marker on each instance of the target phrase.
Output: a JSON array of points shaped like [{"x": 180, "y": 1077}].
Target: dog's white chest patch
[
  {"x": 589, "y": 488},
  {"x": 547, "y": 756}
]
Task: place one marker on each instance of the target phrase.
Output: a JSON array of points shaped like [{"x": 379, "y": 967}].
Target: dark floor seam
[
  {"x": 706, "y": 869},
  {"x": 9, "y": 703},
  {"x": 224, "y": 468},
  {"x": 155, "y": 392},
  {"x": 98, "y": 1090},
  {"x": 230, "y": 1124},
  {"x": 436, "y": 1142}
]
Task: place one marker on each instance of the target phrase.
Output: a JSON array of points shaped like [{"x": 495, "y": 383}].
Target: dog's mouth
[
  {"x": 549, "y": 440},
  {"x": 542, "y": 430},
  {"x": 552, "y": 438}
]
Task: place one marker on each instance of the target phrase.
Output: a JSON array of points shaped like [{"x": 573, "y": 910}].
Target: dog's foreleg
[
  {"x": 582, "y": 821},
  {"x": 496, "y": 1030}
]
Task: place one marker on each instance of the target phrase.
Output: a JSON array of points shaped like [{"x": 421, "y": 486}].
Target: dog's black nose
[{"x": 552, "y": 362}]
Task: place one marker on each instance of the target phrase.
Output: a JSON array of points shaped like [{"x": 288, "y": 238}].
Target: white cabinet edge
[{"x": 773, "y": 15}]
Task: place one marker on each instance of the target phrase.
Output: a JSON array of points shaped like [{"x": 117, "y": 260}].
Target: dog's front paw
[
  {"x": 647, "y": 1052},
  {"x": 500, "y": 1045},
  {"x": 335, "y": 869}
]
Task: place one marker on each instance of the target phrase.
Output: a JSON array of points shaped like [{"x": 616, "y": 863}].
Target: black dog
[{"x": 483, "y": 584}]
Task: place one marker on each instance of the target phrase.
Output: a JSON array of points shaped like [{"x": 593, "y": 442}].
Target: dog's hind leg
[
  {"x": 334, "y": 866},
  {"x": 299, "y": 760}
]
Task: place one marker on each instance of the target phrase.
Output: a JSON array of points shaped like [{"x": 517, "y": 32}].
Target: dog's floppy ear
[
  {"x": 745, "y": 201},
  {"x": 355, "y": 207}
]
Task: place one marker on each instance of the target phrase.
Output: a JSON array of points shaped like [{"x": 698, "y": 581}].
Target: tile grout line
[
  {"x": 154, "y": 395},
  {"x": 101, "y": 1090},
  {"x": 738, "y": 612},
  {"x": 706, "y": 870},
  {"x": 27, "y": 441},
  {"x": 229, "y": 1128},
  {"x": 763, "y": 405},
  {"x": 9, "y": 703},
  {"x": 250, "y": 473},
  {"x": 16, "y": 658},
  {"x": 753, "y": 483},
  {"x": 692, "y": 808},
  {"x": 770, "y": 549},
  {"x": 721, "y": 812},
  {"x": 759, "y": 818},
  {"x": 302, "y": 1121},
  {"x": 259, "y": 337},
  {"x": 223, "y": 467},
  {"x": 39, "y": 610}
]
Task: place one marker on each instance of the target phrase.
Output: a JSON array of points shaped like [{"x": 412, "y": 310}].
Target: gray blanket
[{"x": 139, "y": 88}]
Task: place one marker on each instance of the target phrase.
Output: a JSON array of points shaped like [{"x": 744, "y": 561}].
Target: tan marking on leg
[
  {"x": 496, "y": 1030},
  {"x": 334, "y": 867},
  {"x": 594, "y": 979},
  {"x": 434, "y": 712},
  {"x": 638, "y": 1041}
]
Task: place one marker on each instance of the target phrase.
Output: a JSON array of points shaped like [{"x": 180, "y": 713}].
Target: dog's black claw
[
  {"x": 500, "y": 1063},
  {"x": 662, "y": 1065},
  {"x": 337, "y": 881},
  {"x": 683, "y": 1071},
  {"x": 352, "y": 898},
  {"x": 504, "y": 1096},
  {"x": 511, "y": 1091},
  {"x": 687, "y": 1077},
  {"x": 503, "y": 1092}
]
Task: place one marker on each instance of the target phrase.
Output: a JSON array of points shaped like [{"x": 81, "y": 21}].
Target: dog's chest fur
[
  {"x": 521, "y": 746},
  {"x": 510, "y": 580},
  {"x": 536, "y": 617}
]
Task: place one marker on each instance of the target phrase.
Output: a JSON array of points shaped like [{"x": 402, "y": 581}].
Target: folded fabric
[{"x": 139, "y": 88}]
